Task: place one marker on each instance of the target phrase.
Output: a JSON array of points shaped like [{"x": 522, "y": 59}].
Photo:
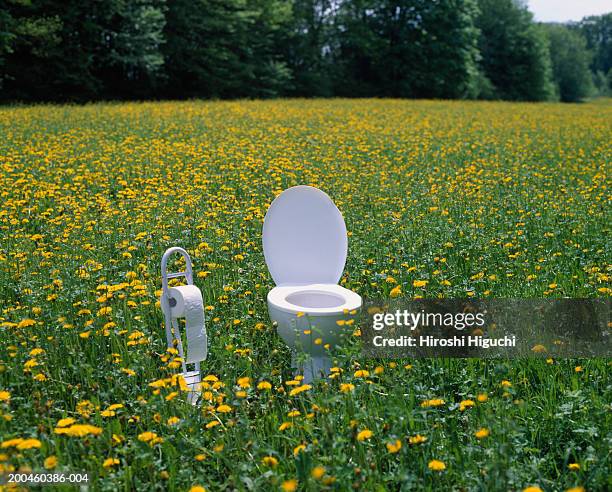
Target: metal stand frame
[{"x": 173, "y": 333}]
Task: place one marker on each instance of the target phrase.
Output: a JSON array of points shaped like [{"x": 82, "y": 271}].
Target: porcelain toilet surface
[
  {"x": 305, "y": 245},
  {"x": 314, "y": 299}
]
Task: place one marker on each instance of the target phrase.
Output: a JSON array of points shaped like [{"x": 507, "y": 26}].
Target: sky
[{"x": 566, "y": 10}]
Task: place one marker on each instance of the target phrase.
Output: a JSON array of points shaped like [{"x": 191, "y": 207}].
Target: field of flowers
[{"x": 448, "y": 199}]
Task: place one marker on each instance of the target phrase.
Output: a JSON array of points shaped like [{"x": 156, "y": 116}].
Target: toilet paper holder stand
[{"x": 192, "y": 378}]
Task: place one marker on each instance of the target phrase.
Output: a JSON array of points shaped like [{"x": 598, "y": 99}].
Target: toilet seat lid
[{"x": 304, "y": 238}]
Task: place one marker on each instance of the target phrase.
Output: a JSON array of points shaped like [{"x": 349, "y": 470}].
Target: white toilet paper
[{"x": 189, "y": 305}]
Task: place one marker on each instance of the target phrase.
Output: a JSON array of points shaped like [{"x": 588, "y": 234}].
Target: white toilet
[{"x": 305, "y": 246}]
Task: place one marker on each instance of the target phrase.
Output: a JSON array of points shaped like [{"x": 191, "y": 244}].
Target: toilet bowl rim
[{"x": 277, "y": 298}]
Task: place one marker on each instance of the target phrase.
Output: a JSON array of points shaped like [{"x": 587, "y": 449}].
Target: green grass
[{"x": 477, "y": 199}]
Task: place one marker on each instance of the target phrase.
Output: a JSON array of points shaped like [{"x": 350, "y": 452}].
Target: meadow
[{"x": 441, "y": 199}]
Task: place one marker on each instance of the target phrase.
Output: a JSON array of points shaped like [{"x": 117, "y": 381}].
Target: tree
[
  {"x": 270, "y": 74},
  {"x": 29, "y": 38},
  {"x": 570, "y": 63},
  {"x": 410, "y": 48},
  {"x": 357, "y": 49},
  {"x": 94, "y": 49},
  {"x": 225, "y": 48},
  {"x": 80, "y": 50},
  {"x": 597, "y": 31},
  {"x": 7, "y": 35},
  {"x": 201, "y": 55},
  {"x": 514, "y": 51},
  {"x": 448, "y": 49},
  {"x": 133, "y": 38},
  {"x": 309, "y": 47}
]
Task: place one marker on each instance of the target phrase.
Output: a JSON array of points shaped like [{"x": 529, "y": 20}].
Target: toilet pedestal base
[{"x": 311, "y": 367}]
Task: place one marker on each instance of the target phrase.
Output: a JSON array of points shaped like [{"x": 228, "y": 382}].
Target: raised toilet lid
[{"x": 304, "y": 238}]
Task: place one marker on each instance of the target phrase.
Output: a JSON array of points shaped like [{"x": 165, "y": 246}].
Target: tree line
[{"x": 141, "y": 49}]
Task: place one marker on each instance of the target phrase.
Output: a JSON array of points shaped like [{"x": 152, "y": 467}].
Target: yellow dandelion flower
[
  {"x": 482, "y": 433},
  {"x": 79, "y": 430},
  {"x": 538, "y": 349},
  {"x": 435, "y": 402},
  {"x": 65, "y": 422},
  {"x": 104, "y": 311},
  {"x": 29, "y": 444},
  {"x": 436, "y": 465},
  {"x": 347, "y": 387},
  {"x": 396, "y": 291},
  {"x": 10, "y": 443},
  {"x": 394, "y": 447},
  {"x": 300, "y": 389},
  {"x": 418, "y": 439},
  {"x": 364, "y": 435},
  {"x": 197, "y": 488},
  {"x": 25, "y": 323},
  {"x": 317, "y": 472},
  {"x": 171, "y": 396},
  {"x": 465, "y": 404},
  {"x": 244, "y": 382},
  {"x": 270, "y": 461},
  {"x": 110, "y": 462},
  {"x": 147, "y": 436},
  {"x": 289, "y": 485}
]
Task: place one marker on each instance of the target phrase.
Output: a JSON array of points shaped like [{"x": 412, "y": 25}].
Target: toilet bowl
[{"x": 305, "y": 246}]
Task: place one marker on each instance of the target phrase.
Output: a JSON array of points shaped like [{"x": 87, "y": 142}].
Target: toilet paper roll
[{"x": 189, "y": 305}]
